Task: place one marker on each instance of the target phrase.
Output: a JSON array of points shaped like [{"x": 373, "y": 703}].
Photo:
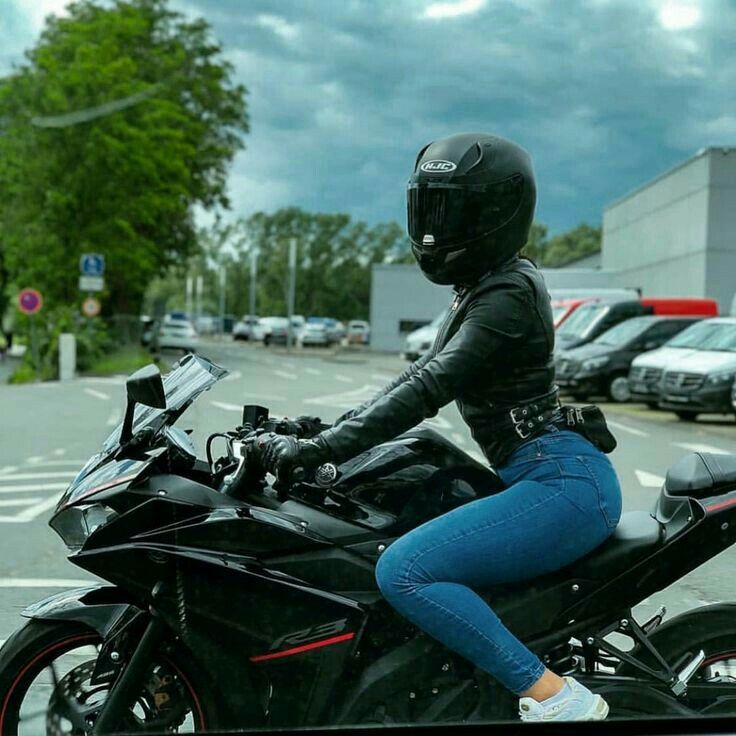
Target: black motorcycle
[{"x": 242, "y": 601}]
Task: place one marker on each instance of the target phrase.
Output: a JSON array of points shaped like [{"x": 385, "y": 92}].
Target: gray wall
[
  {"x": 720, "y": 271},
  {"x": 401, "y": 293}
]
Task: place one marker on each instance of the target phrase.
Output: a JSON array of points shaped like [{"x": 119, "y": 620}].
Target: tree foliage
[
  {"x": 334, "y": 259},
  {"x": 559, "y": 250},
  {"x": 123, "y": 184}
]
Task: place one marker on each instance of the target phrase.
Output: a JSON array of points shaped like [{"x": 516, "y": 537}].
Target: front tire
[
  {"x": 47, "y": 666},
  {"x": 618, "y": 389},
  {"x": 687, "y": 416}
]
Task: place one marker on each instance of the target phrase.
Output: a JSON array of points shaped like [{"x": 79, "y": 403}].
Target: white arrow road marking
[
  {"x": 97, "y": 394},
  {"x": 695, "y": 447},
  {"x": 33, "y": 487},
  {"x": 344, "y": 379},
  {"x": 19, "y": 501},
  {"x": 313, "y": 371},
  {"x": 383, "y": 377},
  {"x": 33, "y": 476},
  {"x": 649, "y": 480},
  {"x": 44, "y": 583},
  {"x": 346, "y": 400},
  {"x": 626, "y": 428},
  {"x": 286, "y": 375}
]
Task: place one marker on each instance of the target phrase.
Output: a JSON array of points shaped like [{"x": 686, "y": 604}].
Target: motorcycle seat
[
  {"x": 637, "y": 533},
  {"x": 701, "y": 474}
]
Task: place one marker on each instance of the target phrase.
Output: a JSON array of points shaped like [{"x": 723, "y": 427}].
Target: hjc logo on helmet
[{"x": 438, "y": 166}]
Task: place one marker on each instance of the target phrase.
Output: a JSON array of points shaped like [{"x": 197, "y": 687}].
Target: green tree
[
  {"x": 125, "y": 183},
  {"x": 583, "y": 240},
  {"x": 536, "y": 243}
]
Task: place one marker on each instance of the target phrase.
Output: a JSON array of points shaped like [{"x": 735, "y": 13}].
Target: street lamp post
[{"x": 291, "y": 292}]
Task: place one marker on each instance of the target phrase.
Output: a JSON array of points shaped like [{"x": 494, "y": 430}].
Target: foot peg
[
  {"x": 654, "y": 621},
  {"x": 679, "y": 686}
]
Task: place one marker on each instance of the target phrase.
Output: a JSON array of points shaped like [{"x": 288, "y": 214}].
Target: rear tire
[
  {"x": 618, "y": 389},
  {"x": 38, "y": 645},
  {"x": 687, "y": 416}
]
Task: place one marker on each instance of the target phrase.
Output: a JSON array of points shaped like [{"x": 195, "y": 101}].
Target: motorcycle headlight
[
  {"x": 593, "y": 364},
  {"x": 75, "y": 524},
  {"x": 718, "y": 379}
]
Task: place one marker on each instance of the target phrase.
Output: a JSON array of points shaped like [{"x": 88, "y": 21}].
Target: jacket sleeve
[
  {"x": 491, "y": 324},
  {"x": 412, "y": 370}
]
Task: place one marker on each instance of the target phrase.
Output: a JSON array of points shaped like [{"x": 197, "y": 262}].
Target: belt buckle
[
  {"x": 520, "y": 430},
  {"x": 512, "y": 414}
]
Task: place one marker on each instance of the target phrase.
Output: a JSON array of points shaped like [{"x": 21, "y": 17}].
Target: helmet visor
[{"x": 454, "y": 214}]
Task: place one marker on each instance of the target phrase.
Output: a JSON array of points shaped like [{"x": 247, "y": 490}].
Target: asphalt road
[{"x": 48, "y": 431}]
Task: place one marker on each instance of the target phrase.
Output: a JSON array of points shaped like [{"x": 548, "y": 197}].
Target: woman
[{"x": 471, "y": 202}]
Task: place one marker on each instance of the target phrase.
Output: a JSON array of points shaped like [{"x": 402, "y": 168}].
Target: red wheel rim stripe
[{"x": 90, "y": 637}]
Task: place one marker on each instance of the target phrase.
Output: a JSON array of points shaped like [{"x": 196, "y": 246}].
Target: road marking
[
  {"x": 109, "y": 380},
  {"x": 284, "y": 374},
  {"x": 288, "y": 365},
  {"x": 29, "y": 514},
  {"x": 695, "y": 447},
  {"x": 34, "y": 487},
  {"x": 263, "y": 397},
  {"x": 234, "y": 376},
  {"x": 648, "y": 480},
  {"x": 382, "y": 377},
  {"x": 34, "y": 476},
  {"x": 44, "y": 583},
  {"x": 114, "y": 418},
  {"x": 626, "y": 428},
  {"x": 8, "y": 469},
  {"x": 344, "y": 379},
  {"x": 313, "y": 371},
  {"x": 61, "y": 451},
  {"x": 61, "y": 463},
  {"x": 34, "y": 459},
  {"x": 19, "y": 501},
  {"x": 97, "y": 394},
  {"x": 227, "y": 407},
  {"x": 346, "y": 400}
]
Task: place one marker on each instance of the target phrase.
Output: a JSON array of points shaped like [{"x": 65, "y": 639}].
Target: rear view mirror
[{"x": 146, "y": 387}]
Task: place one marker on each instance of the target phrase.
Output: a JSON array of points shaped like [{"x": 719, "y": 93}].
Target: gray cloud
[{"x": 344, "y": 92}]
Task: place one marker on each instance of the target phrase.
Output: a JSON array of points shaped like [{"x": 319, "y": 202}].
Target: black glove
[
  {"x": 303, "y": 427},
  {"x": 280, "y": 453}
]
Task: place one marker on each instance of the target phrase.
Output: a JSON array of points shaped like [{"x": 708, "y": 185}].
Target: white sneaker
[{"x": 579, "y": 705}]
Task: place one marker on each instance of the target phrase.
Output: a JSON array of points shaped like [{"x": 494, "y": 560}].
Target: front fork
[{"x": 127, "y": 686}]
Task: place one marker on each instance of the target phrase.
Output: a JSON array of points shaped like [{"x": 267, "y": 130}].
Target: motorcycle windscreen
[{"x": 189, "y": 378}]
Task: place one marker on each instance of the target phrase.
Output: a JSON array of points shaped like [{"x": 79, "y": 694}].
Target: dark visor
[{"x": 454, "y": 214}]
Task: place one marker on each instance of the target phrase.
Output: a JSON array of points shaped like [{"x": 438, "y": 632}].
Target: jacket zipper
[{"x": 446, "y": 324}]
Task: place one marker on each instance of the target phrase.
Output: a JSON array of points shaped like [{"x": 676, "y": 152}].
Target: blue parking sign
[{"x": 92, "y": 264}]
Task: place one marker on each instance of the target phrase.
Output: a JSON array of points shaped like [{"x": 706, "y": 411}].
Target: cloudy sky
[{"x": 605, "y": 94}]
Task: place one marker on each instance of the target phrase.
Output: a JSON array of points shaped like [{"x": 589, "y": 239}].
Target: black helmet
[{"x": 470, "y": 204}]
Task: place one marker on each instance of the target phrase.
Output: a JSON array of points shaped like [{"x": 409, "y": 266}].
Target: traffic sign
[
  {"x": 92, "y": 264},
  {"x": 30, "y": 301},
  {"x": 91, "y": 283},
  {"x": 91, "y": 307}
]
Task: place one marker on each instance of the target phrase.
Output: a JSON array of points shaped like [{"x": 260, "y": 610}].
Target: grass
[{"x": 124, "y": 360}]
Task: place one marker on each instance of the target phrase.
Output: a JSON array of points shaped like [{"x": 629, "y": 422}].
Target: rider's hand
[
  {"x": 304, "y": 427},
  {"x": 280, "y": 453}
]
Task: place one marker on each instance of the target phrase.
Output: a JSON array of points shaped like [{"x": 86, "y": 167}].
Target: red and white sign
[
  {"x": 30, "y": 301},
  {"x": 91, "y": 307}
]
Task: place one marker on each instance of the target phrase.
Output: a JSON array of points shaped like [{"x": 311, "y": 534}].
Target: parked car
[
  {"x": 178, "y": 334},
  {"x": 359, "y": 332},
  {"x": 601, "y": 367},
  {"x": 595, "y": 318},
  {"x": 418, "y": 342},
  {"x": 563, "y": 308},
  {"x": 271, "y": 330},
  {"x": 647, "y": 369},
  {"x": 207, "y": 324},
  {"x": 243, "y": 328},
  {"x": 702, "y": 382},
  {"x": 313, "y": 333}
]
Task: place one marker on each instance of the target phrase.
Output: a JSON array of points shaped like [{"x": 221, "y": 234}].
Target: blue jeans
[{"x": 562, "y": 500}]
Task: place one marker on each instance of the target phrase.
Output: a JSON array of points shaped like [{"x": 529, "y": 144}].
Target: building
[
  {"x": 673, "y": 236},
  {"x": 676, "y": 235}
]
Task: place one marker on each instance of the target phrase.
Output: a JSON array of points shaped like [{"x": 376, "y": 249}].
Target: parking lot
[{"x": 49, "y": 430}]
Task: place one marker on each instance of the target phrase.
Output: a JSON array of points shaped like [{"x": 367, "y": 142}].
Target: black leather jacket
[{"x": 493, "y": 352}]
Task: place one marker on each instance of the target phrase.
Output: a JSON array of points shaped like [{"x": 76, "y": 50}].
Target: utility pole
[
  {"x": 190, "y": 288},
  {"x": 253, "y": 277},
  {"x": 222, "y": 301},
  {"x": 200, "y": 288},
  {"x": 291, "y": 292}
]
